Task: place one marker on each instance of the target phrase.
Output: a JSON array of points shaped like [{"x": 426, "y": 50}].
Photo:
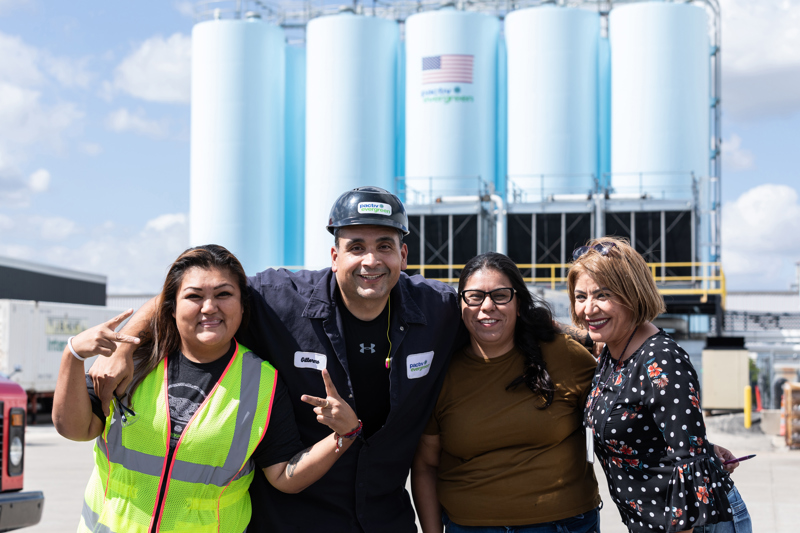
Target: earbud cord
[{"x": 388, "y": 326}]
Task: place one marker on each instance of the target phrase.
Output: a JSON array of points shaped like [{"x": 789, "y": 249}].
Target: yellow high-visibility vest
[{"x": 210, "y": 470}]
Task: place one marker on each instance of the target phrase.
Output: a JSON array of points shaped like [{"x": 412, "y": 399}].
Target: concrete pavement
[{"x": 769, "y": 484}]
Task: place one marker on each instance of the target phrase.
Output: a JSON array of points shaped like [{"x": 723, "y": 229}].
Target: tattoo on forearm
[
  {"x": 145, "y": 336},
  {"x": 580, "y": 335},
  {"x": 294, "y": 460}
]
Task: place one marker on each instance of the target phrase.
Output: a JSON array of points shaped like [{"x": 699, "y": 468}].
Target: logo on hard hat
[{"x": 375, "y": 208}]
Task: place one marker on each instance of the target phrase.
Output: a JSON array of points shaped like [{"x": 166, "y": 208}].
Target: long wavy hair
[
  {"x": 163, "y": 337},
  {"x": 534, "y": 324}
]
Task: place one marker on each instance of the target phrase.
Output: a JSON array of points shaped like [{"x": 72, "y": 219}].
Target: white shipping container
[{"x": 33, "y": 336}]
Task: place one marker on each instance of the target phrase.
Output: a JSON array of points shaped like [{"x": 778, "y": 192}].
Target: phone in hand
[{"x": 739, "y": 459}]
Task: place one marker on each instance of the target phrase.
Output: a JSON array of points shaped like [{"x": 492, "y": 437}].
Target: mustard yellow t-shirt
[{"x": 505, "y": 462}]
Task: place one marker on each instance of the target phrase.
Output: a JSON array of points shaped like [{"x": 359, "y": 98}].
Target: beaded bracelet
[{"x": 349, "y": 436}]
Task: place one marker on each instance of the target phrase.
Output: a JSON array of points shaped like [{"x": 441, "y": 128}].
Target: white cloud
[
  {"x": 39, "y": 181},
  {"x": 734, "y": 157},
  {"x": 16, "y": 190},
  {"x": 157, "y": 71},
  {"x": 26, "y": 121},
  {"x": 772, "y": 92},
  {"x": 30, "y": 229},
  {"x": 69, "y": 72},
  {"x": 134, "y": 262},
  {"x": 761, "y": 236},
  {"x": 760, "y": 57},
  {"x": 18, "y": 251},
  {"x": 91, "y": 149},
  {"x": 52, "y": 228},
  {"x": 8, "y": 5},
  {"x": 19, "y": 62},
  {"x": 123, "y": 120},
  {"x": 185, "y": 8},
  {"x": 164, "y": 222},
  {"x": 760, "y": 35},
  {"x": 25, "y": 66}
]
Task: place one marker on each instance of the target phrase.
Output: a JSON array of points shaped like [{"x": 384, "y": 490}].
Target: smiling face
[
  {"x": 603, "y": 313},
  {"x": 367, "y": 262},
  {"x": 208, "y": 311},
  {"x": 491, "y": 326}
]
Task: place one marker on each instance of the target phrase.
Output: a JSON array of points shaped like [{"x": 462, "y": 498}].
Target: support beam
[
  {"x": 663, "y": 244},
  {"x": 450, "y": 246}
]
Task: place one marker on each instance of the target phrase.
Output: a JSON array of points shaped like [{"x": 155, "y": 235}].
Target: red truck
[{"x": 17, "y": 509}]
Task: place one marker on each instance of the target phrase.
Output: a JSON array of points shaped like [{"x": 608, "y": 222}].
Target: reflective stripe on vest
[{"x": 210, "y": 470}]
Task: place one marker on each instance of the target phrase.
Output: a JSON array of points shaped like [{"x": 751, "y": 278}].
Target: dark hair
[
  {"x": 163, "y": 337},
  {"x": 534, "y": 325}
]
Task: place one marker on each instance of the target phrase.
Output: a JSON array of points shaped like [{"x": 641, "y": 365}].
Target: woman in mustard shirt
[{"x": 505, "y": 446}]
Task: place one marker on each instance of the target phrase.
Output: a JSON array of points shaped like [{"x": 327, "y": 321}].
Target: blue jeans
[
  {"x": 741, "y": 518},
  {"x": 588, "y": 522}
]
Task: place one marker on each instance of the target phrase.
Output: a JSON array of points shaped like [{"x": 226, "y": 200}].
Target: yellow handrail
[{"x": 710, "y": 280}]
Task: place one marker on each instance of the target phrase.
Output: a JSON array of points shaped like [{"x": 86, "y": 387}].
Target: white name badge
[
  {"x": 317, "y": 361},
  {"x": 589, "y": 446},
  {"x": 418, "y": 365}
]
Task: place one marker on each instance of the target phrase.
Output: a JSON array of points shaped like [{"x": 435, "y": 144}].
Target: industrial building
[
  {"x": 24, "y": 280},
  {"x": 524, "y": 127}
]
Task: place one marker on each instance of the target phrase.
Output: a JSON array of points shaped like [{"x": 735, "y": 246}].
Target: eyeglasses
[
  {"x": 127, "y": 416},
  {"x": 475, "y": 297},
  {"x": 602, "y": 248}
]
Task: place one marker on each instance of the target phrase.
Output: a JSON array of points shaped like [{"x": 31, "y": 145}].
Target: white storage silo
[
  {"x": 501, "y": 157},
  {"x": 552, "y": 99},
  {"x": 350, "y": 116},
  {"x": 659, "y": 98},
  {"x": 400, "y": 115},
  {"x": 295, "y": 154},
  {"x": 451, "y": 102},
  {"x": 604, "y": 113},
  {"x": 237, "y": 139}
]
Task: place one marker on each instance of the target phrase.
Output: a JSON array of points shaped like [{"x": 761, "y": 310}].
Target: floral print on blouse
[{"x": 650, "y": 437}]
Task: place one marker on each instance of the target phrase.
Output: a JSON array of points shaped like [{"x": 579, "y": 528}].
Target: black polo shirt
[{"x": 297, "y": 325}]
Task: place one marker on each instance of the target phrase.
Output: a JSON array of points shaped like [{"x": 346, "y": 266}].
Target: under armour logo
[{"x": 364, "y": 348}]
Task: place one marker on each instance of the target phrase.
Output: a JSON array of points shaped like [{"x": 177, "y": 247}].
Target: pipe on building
[
  {"x": 498, "y": 205},
  {"x": 500, "y": 243}
]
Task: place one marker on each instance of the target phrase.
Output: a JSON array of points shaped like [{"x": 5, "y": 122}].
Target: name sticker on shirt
[
  {"x": 313, "y": 360},
  {"x": 419, "y": 365}
]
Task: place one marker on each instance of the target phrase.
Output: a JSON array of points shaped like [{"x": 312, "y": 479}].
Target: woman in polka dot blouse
[{"x": 643, "y": 411}]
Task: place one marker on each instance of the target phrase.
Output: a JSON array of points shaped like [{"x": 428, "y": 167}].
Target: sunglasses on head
[{"x": 602, "y": 248}]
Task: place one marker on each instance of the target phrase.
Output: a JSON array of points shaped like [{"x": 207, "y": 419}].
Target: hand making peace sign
[
  {"x": 102, "y": 339},
  {"x": 332, "y": 410}
]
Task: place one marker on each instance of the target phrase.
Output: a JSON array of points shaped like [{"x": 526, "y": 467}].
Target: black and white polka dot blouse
[{"x": 650, "y": 437}]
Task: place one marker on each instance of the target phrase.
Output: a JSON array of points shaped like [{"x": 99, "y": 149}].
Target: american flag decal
[{"x": 447, "y": 68}]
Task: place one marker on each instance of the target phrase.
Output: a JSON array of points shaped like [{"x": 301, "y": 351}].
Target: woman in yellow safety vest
[{"x": 202, "y": 413}]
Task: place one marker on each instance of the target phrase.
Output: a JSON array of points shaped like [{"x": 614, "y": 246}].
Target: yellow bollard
[{"x": 748, "y": 407}]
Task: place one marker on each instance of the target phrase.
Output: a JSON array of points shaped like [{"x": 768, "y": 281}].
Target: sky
[{"x": 94, "y": 138}]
